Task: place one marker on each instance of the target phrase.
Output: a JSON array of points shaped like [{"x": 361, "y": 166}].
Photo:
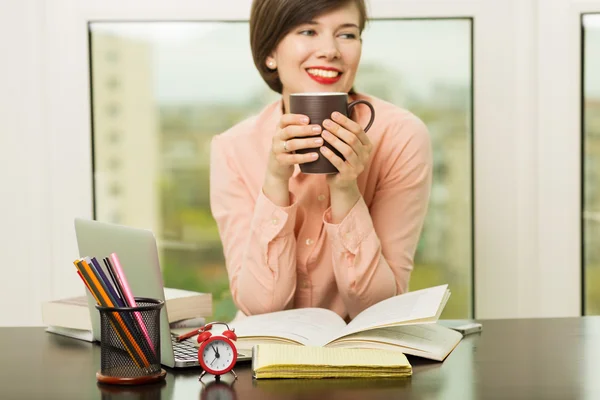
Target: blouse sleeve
[
  {"x": 257, "y": 237},
  {"x": 373, "y": 248}
]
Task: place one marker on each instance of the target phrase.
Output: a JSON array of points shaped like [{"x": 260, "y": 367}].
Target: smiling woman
[
  {"x": 343, "y": 241},
  {"x": 272, "y": 20}
]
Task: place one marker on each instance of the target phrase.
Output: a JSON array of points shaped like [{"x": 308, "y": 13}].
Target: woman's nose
[{"x": 328, "y": 49}]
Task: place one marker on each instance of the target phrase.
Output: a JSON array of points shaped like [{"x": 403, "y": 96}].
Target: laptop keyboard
[{"x": 184, "y": 350}]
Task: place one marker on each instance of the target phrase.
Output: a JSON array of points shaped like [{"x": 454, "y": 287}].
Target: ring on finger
[{"x": 285, "y": 146}]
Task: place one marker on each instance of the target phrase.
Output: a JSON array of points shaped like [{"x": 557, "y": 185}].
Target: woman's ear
[{"x": 271, "y": 63}]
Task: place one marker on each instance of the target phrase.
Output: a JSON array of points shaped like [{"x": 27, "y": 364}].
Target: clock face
[{"x": 218, "y": 355}]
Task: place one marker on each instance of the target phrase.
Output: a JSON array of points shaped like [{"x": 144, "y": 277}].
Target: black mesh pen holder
[{"x": 130, "y": 343}]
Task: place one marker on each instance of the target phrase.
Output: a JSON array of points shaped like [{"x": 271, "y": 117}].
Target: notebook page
[
  {"x": 421, "y": 305},
  {"x": 303, "y": 325},
  {"x": 276, "y": 354}
]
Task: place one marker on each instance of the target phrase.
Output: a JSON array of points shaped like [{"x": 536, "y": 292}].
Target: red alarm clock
[{"x": 217, "y": 353}]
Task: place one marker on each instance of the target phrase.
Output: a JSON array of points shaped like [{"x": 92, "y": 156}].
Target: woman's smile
[
  {"x": 326, "y": 49},
  {"x": 324, "y": 75}
]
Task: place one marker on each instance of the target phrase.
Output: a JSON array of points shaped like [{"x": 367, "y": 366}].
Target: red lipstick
[{"x": 322, "y": 79}]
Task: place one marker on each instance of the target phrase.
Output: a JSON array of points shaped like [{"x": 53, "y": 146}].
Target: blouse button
[
  {"x": 321, "y": 197},
  {"x": 309, "y": 242},
  {"x": 275, "y": 221}
]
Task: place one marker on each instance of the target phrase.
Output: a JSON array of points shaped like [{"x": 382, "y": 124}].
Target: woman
[{"x": 344, "y": 241}]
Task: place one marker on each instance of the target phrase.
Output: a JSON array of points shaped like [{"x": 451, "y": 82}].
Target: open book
[{"x": 404, "y": 323}]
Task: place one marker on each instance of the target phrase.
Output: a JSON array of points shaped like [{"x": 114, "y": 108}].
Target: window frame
[
  {"x": 560, "y": 159},
  {"x": 584, "y": 283}
]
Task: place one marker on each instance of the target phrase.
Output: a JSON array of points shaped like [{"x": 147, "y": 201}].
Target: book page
[
  {"x": 308, "y": 326},
  {"x": 412, "y": 307},
  {"x": 433, "y": 338},
  {"x": 74, "y": 301}
]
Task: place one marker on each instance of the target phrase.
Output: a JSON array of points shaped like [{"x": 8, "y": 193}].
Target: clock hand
[{"x": 211, "y": 363}]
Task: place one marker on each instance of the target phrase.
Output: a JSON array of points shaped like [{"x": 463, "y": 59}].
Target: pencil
[
  {"x": 109, "y": 303},
  {"x": 128, "y": 301},
  {"x": 129, "y": 319},
  {"x": 122, "y": 332}
]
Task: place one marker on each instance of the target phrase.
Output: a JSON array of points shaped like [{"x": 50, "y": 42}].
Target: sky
[{"x": 200, "y": 61}]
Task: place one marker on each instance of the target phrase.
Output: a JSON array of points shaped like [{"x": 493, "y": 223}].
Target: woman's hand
[
  {"x": 349, "y": 138},
  {"x": 291, "y": 135}
]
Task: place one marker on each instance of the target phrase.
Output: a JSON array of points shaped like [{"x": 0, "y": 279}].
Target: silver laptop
[{"x": 138, "y": 254}]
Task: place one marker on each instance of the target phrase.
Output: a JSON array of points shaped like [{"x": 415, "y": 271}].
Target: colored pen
[
  {"x": 128, "y": 341},
  {"x": 193, "y": 333},
  {"x": 129, "y": 299}
]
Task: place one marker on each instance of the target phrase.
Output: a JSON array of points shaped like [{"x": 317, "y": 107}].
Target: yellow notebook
[{"x": 290, "y": 361}]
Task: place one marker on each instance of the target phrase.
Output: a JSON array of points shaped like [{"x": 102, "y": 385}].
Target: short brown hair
[{"x": 271, "y": 20}]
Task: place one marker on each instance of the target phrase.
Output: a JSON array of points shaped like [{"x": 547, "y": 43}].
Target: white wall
[
  {"x": 25, "y": 212},
  {"x": 527, "y": 263}
]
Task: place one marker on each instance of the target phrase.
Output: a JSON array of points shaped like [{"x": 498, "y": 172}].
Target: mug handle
[{"x": 351, "y": 105}]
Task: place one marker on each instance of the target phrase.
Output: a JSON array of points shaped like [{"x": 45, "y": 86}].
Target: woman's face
[{"x": 322, "y": 55}]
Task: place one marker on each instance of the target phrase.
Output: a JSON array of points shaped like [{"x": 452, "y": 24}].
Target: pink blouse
[{"x": 291, "y": 257}]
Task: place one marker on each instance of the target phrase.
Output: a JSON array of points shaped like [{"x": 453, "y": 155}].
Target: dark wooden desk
[{"x": 510, "y": 359}]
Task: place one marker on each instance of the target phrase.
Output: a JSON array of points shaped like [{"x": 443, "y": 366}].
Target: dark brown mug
[{"x": 319, "y": 107}]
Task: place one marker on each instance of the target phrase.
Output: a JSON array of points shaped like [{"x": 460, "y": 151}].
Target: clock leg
[
  {"x": 234, "y": 375},
  {"x": 201, "y": 375}
]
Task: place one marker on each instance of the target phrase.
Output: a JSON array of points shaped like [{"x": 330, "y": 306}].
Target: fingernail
[
  {"x": 319, "y": 141},
  {"x": 314, "y": 155},
  {"x": 336, "y": 114},
  {"x": 305, "y": 120},
  {"x": 316, "y": 129},
  {"x": 326, "y": 122}
]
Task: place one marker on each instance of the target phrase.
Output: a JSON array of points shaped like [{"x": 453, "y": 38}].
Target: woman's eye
[
  {"x": 348, "y": 35},
  {"x": 307, "y": 32}
]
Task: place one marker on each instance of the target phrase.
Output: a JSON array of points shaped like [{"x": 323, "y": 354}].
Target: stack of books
[
  {"x": 71, "y": 316},
  {"x": 185, "y": 306}
]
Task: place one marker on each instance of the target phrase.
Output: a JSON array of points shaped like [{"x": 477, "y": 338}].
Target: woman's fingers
[
  {"x": 294, "y": 131},
  {"x": 347, "y": 136},
  {"x": 299, "y": 144},
  {"x": 296, "y": 158},
  {"x": 350, "y": 154},
  {"x": 350, "y": 125},
  {"x": 292, "y": 119},
  {"x": 334, "y": 159},
  {"x": 294, "y": 134}
]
